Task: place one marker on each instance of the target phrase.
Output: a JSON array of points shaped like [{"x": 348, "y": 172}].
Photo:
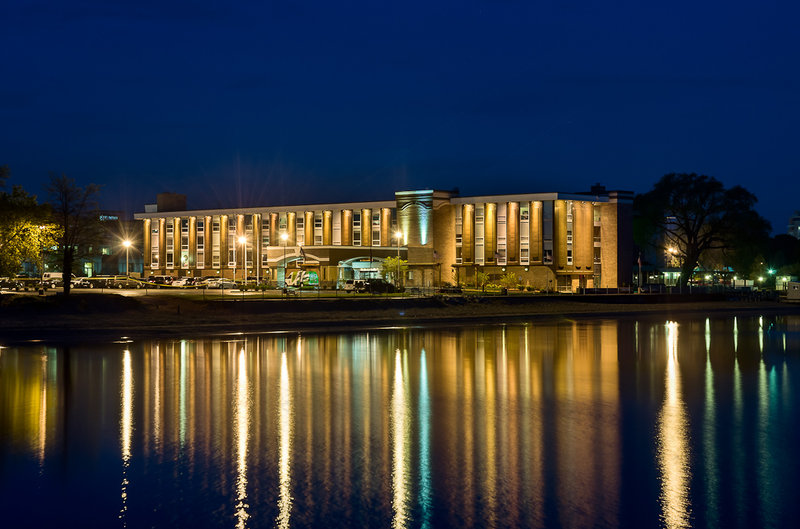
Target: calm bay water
[{"x": 605, "y": 423}]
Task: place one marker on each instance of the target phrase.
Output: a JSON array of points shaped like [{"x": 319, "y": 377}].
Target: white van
[{"x": 354, "y": 285}]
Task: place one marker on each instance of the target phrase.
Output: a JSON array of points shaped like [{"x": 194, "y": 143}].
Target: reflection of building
[{"x": 548, "y": 240}]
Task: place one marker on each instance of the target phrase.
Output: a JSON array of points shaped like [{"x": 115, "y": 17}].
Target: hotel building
[{"x": 550, "y": 241}]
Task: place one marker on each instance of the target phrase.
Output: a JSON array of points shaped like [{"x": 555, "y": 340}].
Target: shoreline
[{"x": 109, "y": 317}]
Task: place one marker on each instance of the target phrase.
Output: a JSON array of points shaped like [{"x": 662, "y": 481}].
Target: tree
[
  {"x": 694, "y": 215},
  {"x": 394, "y": 269},
  {"x": 481, "y": 280},
  {"x": 24, "y": 231},
  {"x": 509, "y": 280},
  {"x": 75, "y": 212}
]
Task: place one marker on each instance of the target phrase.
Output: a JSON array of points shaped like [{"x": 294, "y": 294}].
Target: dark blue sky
[{"x": 309, "y": 101}]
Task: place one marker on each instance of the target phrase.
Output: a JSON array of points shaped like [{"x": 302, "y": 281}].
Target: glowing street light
[
  {"x": 127, "y": 244},
  {"x": 398, "y": 235}
]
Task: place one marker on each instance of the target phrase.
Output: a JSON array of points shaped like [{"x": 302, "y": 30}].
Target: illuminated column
[
  {"x": 535, "y": 237},
  {"x": 256, "y": 243},
  {"x": 146, "y": 235},
  {"x": 512, "y": 232},
  {"x": 291, "y": 228},
  {"x": 347, "y": 227},
  {"x": 468, "y": 233},
  {"x": 193, "y": 244},
  {"x": 386, "y": 226},
  {"x": 490, "y": 232},
  {"x": 162, "y": 243},
  {"x": 583, "y": 228},
  {"x": 274, "y": 230},
  {"x": 308, "y": 227},
  {"x": 560, "y": 234},
  {"x": 366, "y": 227},
  {"x": 327, "y": 227},
  {"x": 223, "y": 241}
]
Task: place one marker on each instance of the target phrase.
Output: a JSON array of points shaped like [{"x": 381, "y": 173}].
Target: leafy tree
[
  {"x": 695, "y": 215},
  {"x": 75, "y": 212},
  {"x": 481, "y": 280},
  {"x": 24, "y": 231},
  {"x": 509, "y": 280},
  {"x": 394, "y": 269}
]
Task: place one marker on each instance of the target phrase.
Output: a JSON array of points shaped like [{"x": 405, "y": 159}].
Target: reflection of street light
[
  {"x": 127, "y": 244},
  {"x": 242, "y": 240},
  {"x": 284, "y": 238}
]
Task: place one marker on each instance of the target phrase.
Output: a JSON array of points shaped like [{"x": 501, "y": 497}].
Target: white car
[
  {"x": 354, "y": 285},
  {"x": 219, "y": 282}
]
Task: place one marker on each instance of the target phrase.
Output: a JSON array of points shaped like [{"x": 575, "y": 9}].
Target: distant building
[
  {"x": 551, "y": 241},
  {"x": 794, "y": 225}
]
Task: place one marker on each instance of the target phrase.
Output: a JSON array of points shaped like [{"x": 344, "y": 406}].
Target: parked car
[
  {"x": 125, "y": 282},
  {"x": 354, "y": 285},
  {"x": 81, "y": 282},
  {"x": 220, "y": 282},
  {"x": 378, "y": 286},
  {"x": 8, "y": 283},
  {"x": 161, "y": 280}
]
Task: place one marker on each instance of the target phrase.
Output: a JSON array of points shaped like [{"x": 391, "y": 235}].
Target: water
[{"x": 606, "y": 423}]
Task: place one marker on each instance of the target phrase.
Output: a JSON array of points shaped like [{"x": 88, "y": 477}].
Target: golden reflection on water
[
  {"x": 43, "y": 412},
  {"x": 285, "y": 447},
  {"x": 673, "y": 445},
  {"x": 242, "y": 429},
  {"x": 126, "y": 428},
  {"x": 511, "y": 426},
  {"x": 709, "y": 435},
  {"x": 400, "y": 447}
]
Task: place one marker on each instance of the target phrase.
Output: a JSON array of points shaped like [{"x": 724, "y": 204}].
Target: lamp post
[
  {"x": 284, "y": 238},
  {"x": 127, "y": 244},
  {"x": 398, "y": 234}
]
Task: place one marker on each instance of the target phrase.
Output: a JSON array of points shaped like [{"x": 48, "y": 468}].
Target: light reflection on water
[
  {"x": 613, "y": 423},
  {"x": 673, "y": 446}
]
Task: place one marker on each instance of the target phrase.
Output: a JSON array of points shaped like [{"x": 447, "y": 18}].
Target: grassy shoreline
[{"x": 111, "y": 316}]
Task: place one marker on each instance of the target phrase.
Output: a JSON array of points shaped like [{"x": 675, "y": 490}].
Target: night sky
[{"x": 264, "y": 103}]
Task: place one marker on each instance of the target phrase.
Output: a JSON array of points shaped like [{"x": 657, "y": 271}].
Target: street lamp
[
  {"x": 242, "y": 240},
  {"x": 127, "y": 244},
  {"x": 284, "y": 238}
]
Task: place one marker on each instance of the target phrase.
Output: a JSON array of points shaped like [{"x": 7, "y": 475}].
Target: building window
[
  {"x": 300, "y": 235},
  {"x": 215, "y": 242}
]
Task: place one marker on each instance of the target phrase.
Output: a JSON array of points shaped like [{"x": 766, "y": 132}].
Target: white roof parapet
[
  {"x": 266, "y": 209},
  {"x": 528, "y": 197}
]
